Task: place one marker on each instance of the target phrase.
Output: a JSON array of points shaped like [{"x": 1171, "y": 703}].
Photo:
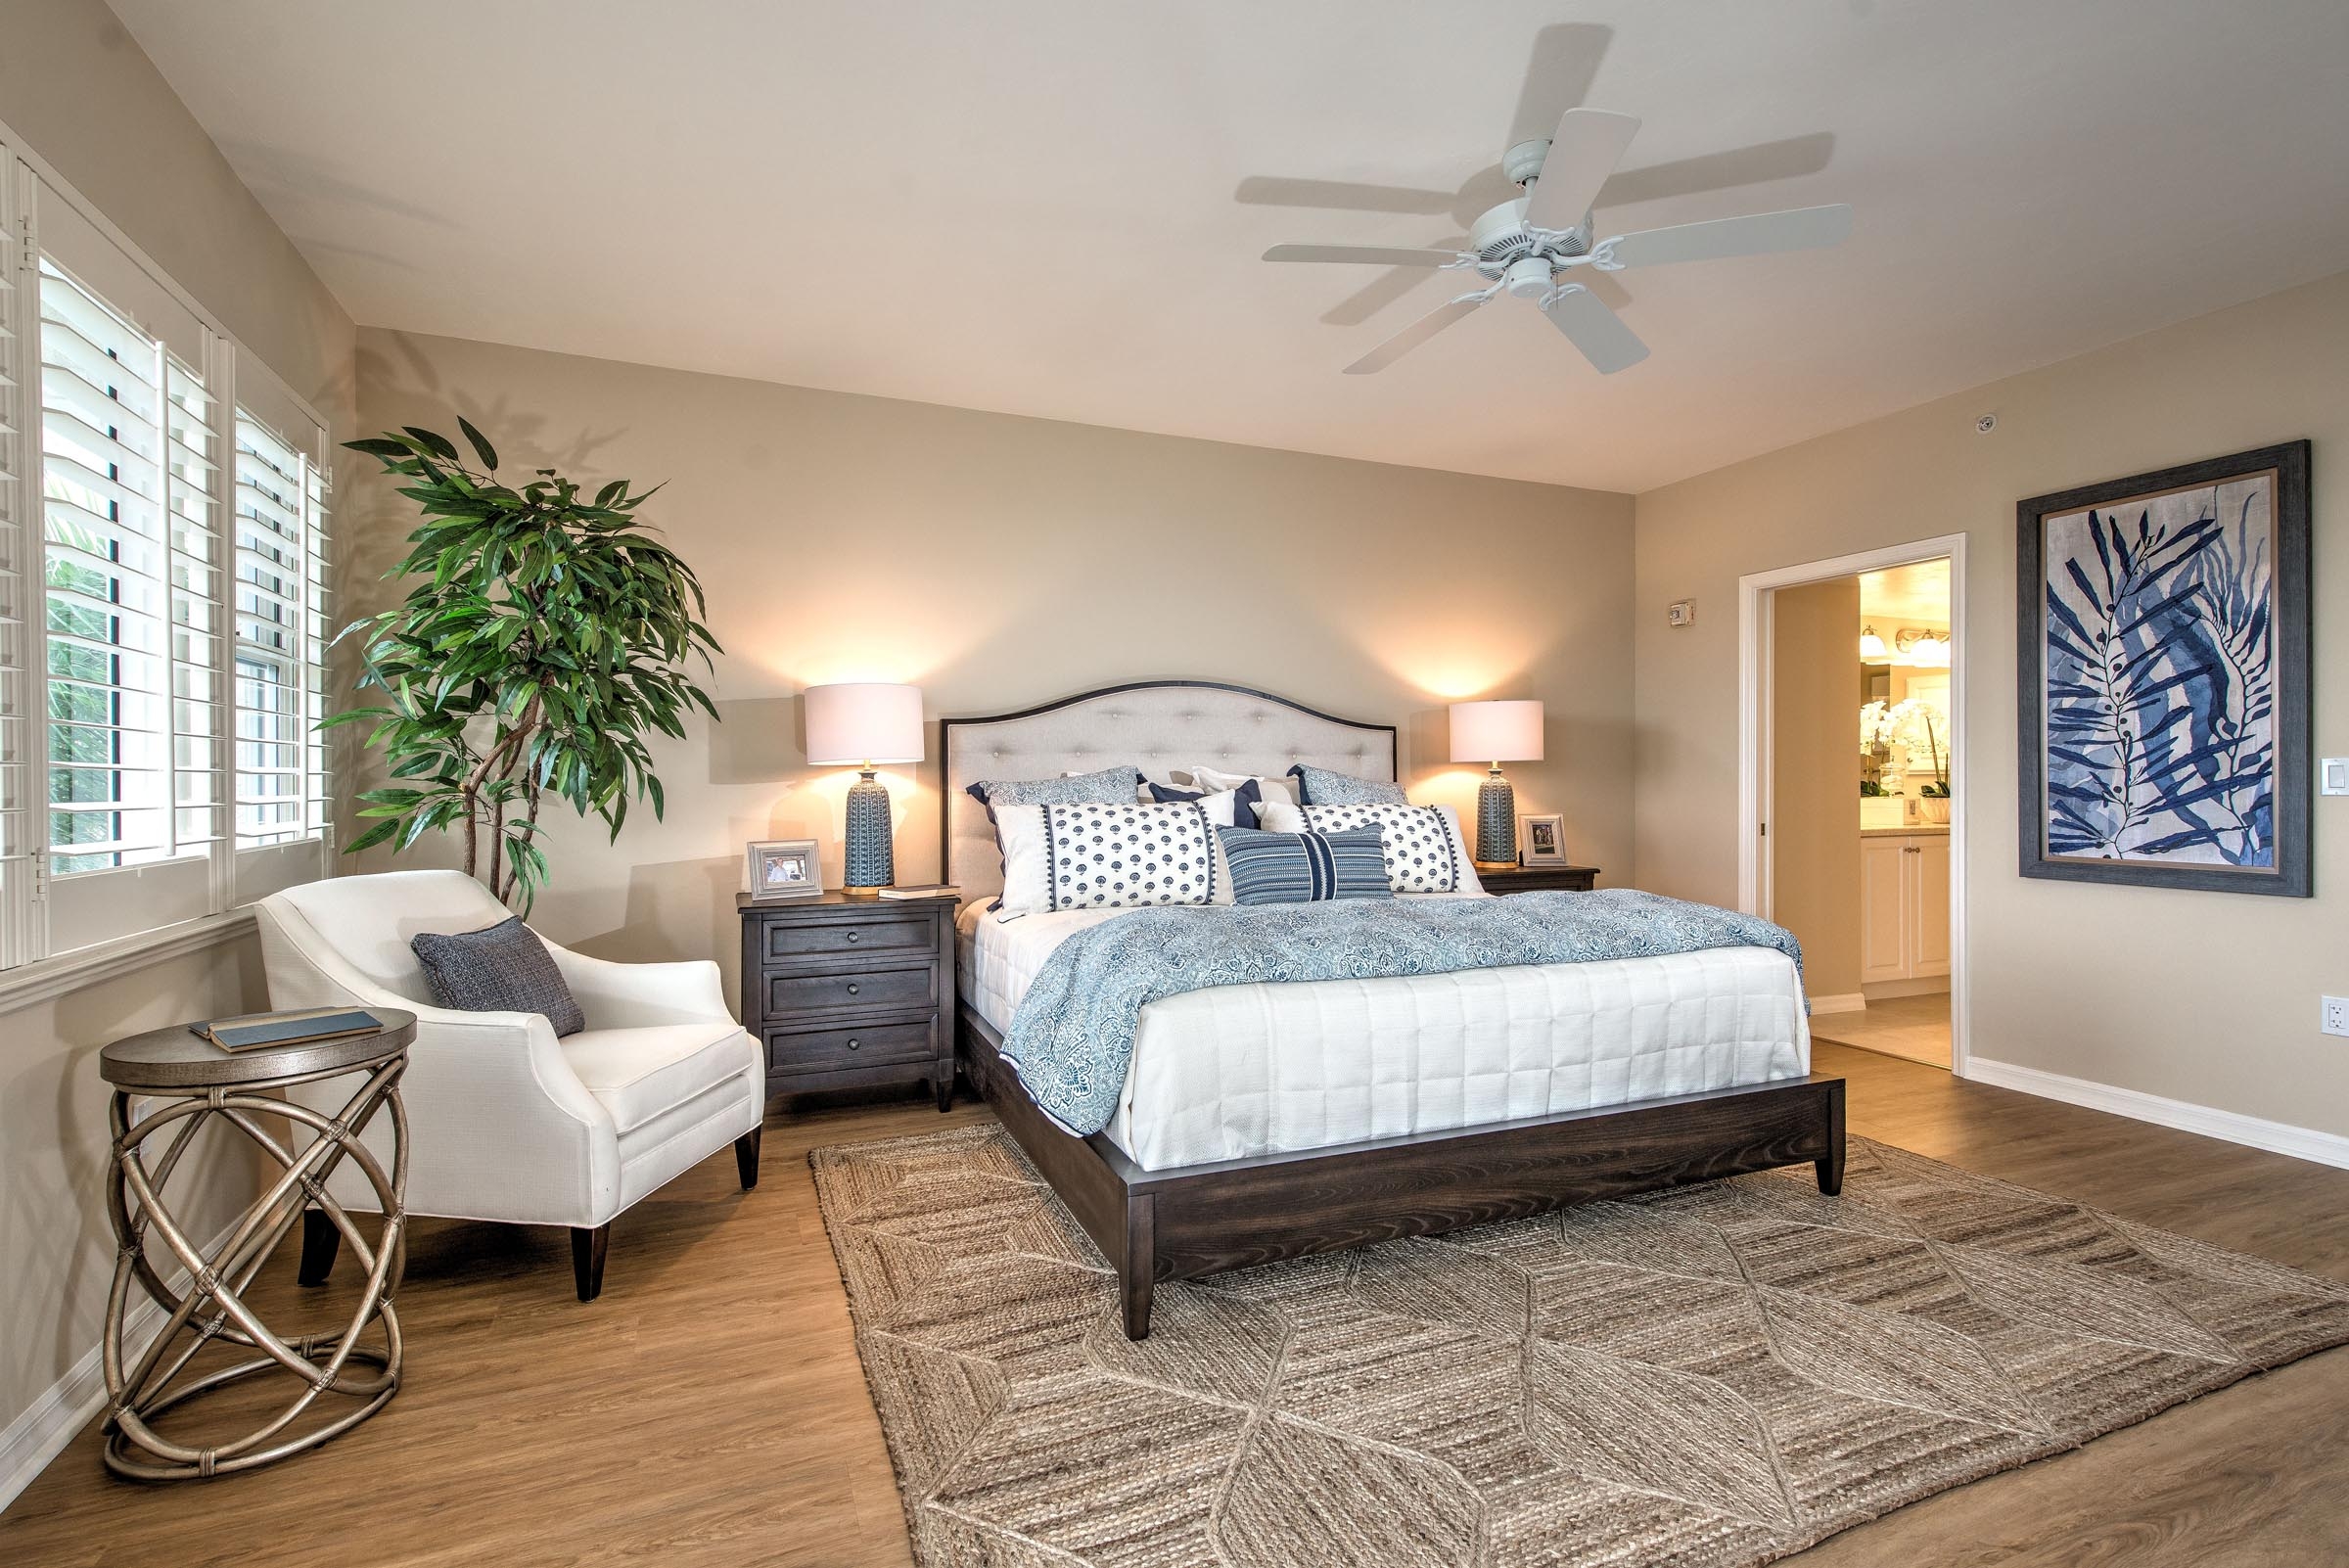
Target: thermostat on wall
[{"x": 1683, "y": 612}]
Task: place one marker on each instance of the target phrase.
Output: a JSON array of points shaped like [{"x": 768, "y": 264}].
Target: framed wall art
[{"x": 2163, "y": 653}]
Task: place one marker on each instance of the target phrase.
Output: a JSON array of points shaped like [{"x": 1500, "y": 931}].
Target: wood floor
[
  {"x": 1914, "y": 1028},
  {"x": 710, "y": 1408}
]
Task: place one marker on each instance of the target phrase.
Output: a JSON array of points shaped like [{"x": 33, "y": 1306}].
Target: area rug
[{"x": 1711, "y": 1376}]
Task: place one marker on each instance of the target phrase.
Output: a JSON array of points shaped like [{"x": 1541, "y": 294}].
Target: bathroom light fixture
[{"x": 1872, "y": 646}]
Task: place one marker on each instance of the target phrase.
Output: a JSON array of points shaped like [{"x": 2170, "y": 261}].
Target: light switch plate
[
  {"x": 2333, "y": 775},
  {"x": 1683, "y": 612}
]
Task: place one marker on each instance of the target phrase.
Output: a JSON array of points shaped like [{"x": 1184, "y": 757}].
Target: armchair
[{"x": 506, "y": 1121}]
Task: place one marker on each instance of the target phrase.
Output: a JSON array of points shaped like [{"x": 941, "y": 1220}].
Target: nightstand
[
  {"x": 1539, "y": 878},
  {"x": 847, "y": 992}
]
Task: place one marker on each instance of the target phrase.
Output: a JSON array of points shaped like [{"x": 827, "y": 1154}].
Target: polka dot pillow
[
  {"x": 1422, "y": 854},
  {"x": 1091, "y": 855}
]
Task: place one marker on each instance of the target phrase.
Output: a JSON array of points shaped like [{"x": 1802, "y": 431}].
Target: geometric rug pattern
[{"x": 1703, "y": 1377}]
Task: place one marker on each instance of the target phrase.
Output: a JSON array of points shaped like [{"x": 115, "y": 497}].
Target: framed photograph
[
  {"x": 2164, "y": 663},
  {"x": 784, "y": 868},
  {"x": 1541, "y": 839}
]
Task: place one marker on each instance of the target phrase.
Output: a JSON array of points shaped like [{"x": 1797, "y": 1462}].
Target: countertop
[{"x": 1941, "y": 829}]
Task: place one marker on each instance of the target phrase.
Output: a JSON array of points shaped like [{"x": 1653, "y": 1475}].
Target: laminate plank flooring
[
  {"x": 710, "y": 1408},
  {"x": 1914, "y": 1028}
]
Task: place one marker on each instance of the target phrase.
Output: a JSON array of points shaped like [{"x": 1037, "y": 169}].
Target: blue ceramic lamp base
[
  {"x": 1496, "y": 821},
  {"x": 871, "y": 853}
]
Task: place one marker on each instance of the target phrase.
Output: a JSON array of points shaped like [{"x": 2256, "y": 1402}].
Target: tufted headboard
[{"x": 1157, "y": 726}]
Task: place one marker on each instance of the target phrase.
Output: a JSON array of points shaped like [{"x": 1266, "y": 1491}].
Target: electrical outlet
[{"x": 2335, "y": 1017}]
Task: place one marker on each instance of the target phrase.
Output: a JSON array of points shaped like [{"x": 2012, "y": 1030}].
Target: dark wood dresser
[
  {"x": 850, "y": 993},
  {"x": 1539, "y": 878}
]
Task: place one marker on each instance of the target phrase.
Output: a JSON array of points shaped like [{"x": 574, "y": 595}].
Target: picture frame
[
  {"x": 1542, "y": 838},
  {"x": 2163, "y": 664},
  {"x": 782, "y": 869}
]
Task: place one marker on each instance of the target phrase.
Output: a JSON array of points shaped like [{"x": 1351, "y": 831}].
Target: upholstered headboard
[{"x": 1158, "y": 727}]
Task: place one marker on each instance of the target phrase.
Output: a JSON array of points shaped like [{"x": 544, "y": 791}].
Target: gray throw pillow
[
  {"x": 503, "y": 969},
  {"x": 1321, "y": 786}
]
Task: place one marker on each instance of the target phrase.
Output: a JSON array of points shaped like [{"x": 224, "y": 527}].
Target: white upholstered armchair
[{"x": 506, "y": 1121}]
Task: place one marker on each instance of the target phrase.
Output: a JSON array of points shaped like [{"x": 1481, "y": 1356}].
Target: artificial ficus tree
[{"x": 546, "y": 637}]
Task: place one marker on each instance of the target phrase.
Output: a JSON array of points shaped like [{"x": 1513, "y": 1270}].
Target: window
[{"x": 163, "y": 663}]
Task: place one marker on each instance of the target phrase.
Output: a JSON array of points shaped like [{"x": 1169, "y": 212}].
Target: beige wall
[
  {"x": 146, "y": 164},
  {"x": 2200, "y": 996},
  {"x": 997, "y": 562},
  {"x": 1815, "y": 779}
]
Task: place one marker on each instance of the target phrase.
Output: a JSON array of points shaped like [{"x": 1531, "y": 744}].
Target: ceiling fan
[{"x": 1532, "y": 247}]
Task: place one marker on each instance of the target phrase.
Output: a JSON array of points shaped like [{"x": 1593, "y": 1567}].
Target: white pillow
[
  {"x": 1271, "y": 789},
  {"x": 1164, "y": 855},
  {"x": 1426, "y": 851}
]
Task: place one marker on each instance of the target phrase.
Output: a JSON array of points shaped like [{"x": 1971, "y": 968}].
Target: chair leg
[
  {"x": 746, "y": 1156},
  {"x": 588, "y": 1249},
  {"x": 320, "y": 1240}
]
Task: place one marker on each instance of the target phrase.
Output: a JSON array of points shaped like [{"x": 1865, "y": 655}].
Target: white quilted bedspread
[{"x": 1239, "y": 1070}]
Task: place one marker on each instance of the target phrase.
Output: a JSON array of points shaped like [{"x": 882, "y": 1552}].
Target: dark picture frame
[{"x": 2163, "y": 679}]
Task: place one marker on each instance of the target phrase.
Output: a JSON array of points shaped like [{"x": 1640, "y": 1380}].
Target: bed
[{"x": 1269, "y": 1120}]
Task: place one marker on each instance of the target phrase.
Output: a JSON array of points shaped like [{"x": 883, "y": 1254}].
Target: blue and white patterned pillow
[
  {"x": 1305, "y": 867},
  {"x": 1321, "y": 786},
  {"x": 1128, "y": 856},
  {"x": 1110, "y": 785},
  {"x": 1422, "y": 856},
  {"x": 1244, "y": 801}
]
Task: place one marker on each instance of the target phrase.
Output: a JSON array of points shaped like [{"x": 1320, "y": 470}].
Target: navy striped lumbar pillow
[{"x": 1305, "y": 867}]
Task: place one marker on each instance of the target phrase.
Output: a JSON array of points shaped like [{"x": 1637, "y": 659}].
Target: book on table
[
  {"x": 252, "y": 1031},
  {"x": 923, "y": 890}
]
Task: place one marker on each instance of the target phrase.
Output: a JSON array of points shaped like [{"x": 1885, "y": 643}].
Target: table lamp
[
  {"x": 1495, "y": 733},
  {"x": 861, "y": 725}
]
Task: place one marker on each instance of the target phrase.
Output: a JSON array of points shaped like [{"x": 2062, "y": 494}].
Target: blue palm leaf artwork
[{"x": 2160, "y": 701}]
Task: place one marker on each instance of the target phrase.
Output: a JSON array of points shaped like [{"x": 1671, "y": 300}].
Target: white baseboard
[
  {"x": 1886, "y": 989},
  {"x": 1851, "y": 1003},
  {"x": 2277, "y": 1137},
  {"x": 43, "y": 1430}
]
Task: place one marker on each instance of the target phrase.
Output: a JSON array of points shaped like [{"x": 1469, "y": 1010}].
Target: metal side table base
[{"x": 201, "y": 1085}]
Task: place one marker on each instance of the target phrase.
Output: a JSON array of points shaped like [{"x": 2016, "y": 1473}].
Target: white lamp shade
[
  {"x": 862, "y": 721},
  {"x": 1497, "y": 732}
]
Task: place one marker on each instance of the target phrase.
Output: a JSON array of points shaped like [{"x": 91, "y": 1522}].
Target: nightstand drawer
[
  {"x": 825, "y": 1050},
  {"x": 864, "y": 989},
  {"x": 884, "y": 935}
]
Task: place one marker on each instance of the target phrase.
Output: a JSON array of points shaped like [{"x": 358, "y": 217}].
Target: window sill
[{"x": 45, "y": 979}]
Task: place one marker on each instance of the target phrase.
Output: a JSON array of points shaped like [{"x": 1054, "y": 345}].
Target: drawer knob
[
  {"x": 854, "y": 987},
  {"x": 852, "y": 1044},
  {"x": 855, "y": 936}
]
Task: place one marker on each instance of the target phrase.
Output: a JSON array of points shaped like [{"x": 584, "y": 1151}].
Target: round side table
[{"x": 199, "y": 1084}]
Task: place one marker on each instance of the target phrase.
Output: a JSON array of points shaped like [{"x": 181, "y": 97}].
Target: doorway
[{"x": 1852, "y": 749}]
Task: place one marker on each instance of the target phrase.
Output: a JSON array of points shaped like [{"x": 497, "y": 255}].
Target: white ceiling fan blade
[
  {"x": 1805, "y": 228},
  {"x": 1588, "y": 144},
  {"x": 1598, "y": 332},
  {"x": 1417, "y": 332},
  {"x": 1373, "y": 255}
]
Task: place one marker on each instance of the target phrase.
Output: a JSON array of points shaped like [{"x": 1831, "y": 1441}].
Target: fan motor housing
[{"x": 1499, "y": 240}]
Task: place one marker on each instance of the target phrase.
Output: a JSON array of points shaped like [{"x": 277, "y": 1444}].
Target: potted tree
[{"x": 547, "y": 636}]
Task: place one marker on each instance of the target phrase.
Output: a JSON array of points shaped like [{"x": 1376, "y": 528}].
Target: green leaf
[
  {"x": 480, "y": 442},
  {"x": 436, "y": 446},
  {"x": 379, "y": 446}
]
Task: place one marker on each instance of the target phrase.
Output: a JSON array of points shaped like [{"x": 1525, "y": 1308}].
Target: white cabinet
[{"x": 1904, "y": 906}]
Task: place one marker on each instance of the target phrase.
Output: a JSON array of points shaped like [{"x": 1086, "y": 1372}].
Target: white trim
[
  {"x": 1888, "y": 990},
  {"x": 1753, "y": 788},
  {"x": 2233, "y": 1127},
  {"x": 1849, "y": 1002},
  {"x": 47, "y": 978},
  {"x": 56, "y": 1418}
]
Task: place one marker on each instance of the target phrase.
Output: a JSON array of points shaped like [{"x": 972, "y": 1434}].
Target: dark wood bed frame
[{"x": 1195, "y": 1219}]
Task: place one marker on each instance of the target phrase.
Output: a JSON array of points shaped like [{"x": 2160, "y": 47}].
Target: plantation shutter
[
  {"x": 20, "y": 833},
  {"x": 128, "y": 666},
  {"x": 278, "y": 619}
]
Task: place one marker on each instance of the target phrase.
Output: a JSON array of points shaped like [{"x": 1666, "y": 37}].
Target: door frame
[{"x": 1754, "y": 600}]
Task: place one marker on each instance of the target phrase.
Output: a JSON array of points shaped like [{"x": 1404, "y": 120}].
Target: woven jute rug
[{"x": 1714, "y": 1375}]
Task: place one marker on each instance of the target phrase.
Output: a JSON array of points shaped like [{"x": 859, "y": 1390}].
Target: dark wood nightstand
[
  {"x": 850, "y": 993},
  {"x": 1538, "y": 878}
]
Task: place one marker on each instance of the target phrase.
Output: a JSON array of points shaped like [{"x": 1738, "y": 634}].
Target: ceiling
[
  {"x": 1913, "y": 595},
  {"x": 1055, "y": 206}
]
